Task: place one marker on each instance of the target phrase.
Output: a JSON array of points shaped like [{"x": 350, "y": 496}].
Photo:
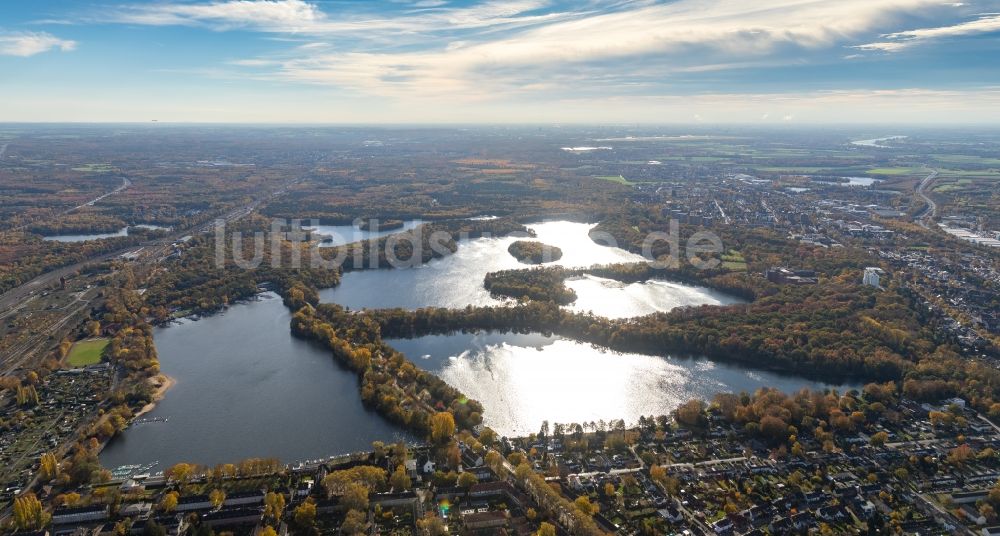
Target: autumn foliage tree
[
  {"x": 442, "y": 427},
  {"x": 274, "y": 505},
  {"x": 48, "y": 467},
  {"x": 28, "y": 513}
]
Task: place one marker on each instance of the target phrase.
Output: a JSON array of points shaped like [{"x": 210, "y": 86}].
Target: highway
[
  {"x": 929, "y": 213},
  {"x": 125, "y": 184}
]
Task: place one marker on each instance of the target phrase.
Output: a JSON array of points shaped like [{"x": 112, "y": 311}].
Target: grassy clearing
[
  {"x": 967, "y": 159},
  {"x": 86, "y": 352},
  {"x": 619, "y": 179},
  {"x": 790, "y": 169},
  {"x": 733, "y": 260},
  {"x": 679, "y": 158},
  {"x": 897, "y": 171}
]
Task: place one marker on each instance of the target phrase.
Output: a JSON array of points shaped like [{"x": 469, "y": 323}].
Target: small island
[
  {"x": 529, "y": 252},
  {"x": 381, "y": 225}
]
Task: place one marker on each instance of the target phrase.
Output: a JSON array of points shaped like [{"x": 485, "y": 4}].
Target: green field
[
  {"x": 897, "y": 171},
  {"x": 619, "y": 179},
  {"x": 734, "y": 261},
  {"x": 790, "y": 169},
  {"x": 86, "y": 352},
  {"x": 981, "y": 173},
  {"x": 966, "y": 159}
]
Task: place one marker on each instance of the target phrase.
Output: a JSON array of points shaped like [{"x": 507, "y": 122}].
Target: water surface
[
  {"x": 86, "y": 236},
  {"x": 456, "y": 281},
  {"x": 246, "y": 388},
  {"x": 345, "y": 234},
  {"x": 99, "y": 236},
  {"x": 525, "y": 379}
]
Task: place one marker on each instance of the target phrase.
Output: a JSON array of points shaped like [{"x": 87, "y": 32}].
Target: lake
[
  {"x": 457, "y": 280},
  {"x": 345, "y": 234},
  {"x": 525, "y": 379},
  {"x": 84, "y": 237},
  {"x": 98, "y": 236},
  {"x": 246, "y": 388},
  {"x": 877, "y": 142},
  {"x": 853, "y": 181}
]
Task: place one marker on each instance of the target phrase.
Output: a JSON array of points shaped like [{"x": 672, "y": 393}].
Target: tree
[
  {"x": 268, "y": 531},
  {"x": 466, "y": 480},
  {"x": 180, "y": 472},
  {"x": 442, "y": 426},
  {"x": 960, "y": 454},
  {"x": 658, "y": 473},
  {"x": 988, "y": 512},
  {"x": 691, "y": 413},
  {"x": 371, "y": 477},
  {"x": 305, "y": 514},
  {"x": 488, "y": 437},
  {"x": 773, "y": 428},
  {"x": 584, "y": 505},
  {"x": 48, "y": 467},
  {"x": 355, "y": 497},
  {"x": 274, "y": 505},
  {"x": 546, "y": 529},
  {"x": 169, "y": 502},
  {"x": 400, "y": 481},
  {"x": 431, "y": 525},
  {"x": 523, "y": 471},
  {"x": 354, "y": 522},
  {"x": 217, "y": 497},
  {"x": 152, "y": 528},
  {"x": 878, "y": 439},
  {"x": 28, "y": 513},
  {"x": 494, "y": 461}
]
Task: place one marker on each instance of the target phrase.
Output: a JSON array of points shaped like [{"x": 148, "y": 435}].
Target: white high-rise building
[{"x": 871, "y": 277}]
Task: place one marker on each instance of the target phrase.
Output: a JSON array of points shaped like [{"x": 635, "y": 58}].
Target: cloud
[
  {"x": 493, "y": 49},
  {"x": 656, "y": 40},
  {"x": 897, "y": 41},
  {"x": 299, "y": 16},
  {"x": 30, "y": 43}
]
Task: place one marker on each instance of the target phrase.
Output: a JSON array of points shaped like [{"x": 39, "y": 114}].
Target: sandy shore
[{"x": 163, "y": 383}]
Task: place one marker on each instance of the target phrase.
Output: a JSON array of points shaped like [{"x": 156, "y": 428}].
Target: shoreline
[{"x": 166, "y": 382}]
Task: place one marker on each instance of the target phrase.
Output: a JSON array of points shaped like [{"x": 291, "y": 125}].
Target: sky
[{"x": 767, "y": 62}]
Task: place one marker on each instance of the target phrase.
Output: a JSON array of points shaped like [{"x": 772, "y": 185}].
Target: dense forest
[
  {"x": 540, "y": 284},
  {"x": 548, "y": 283},
  {"x": 389, "y": 382},
  {"x": 530, "y": 252}
]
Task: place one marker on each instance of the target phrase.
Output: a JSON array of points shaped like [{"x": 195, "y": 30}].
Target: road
[
  {"x": 941, "y": 516},
  {"x": 929, "y": 213},
  {"x": 722, "y": 212},
  {"x": 125, "y": 184}
]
